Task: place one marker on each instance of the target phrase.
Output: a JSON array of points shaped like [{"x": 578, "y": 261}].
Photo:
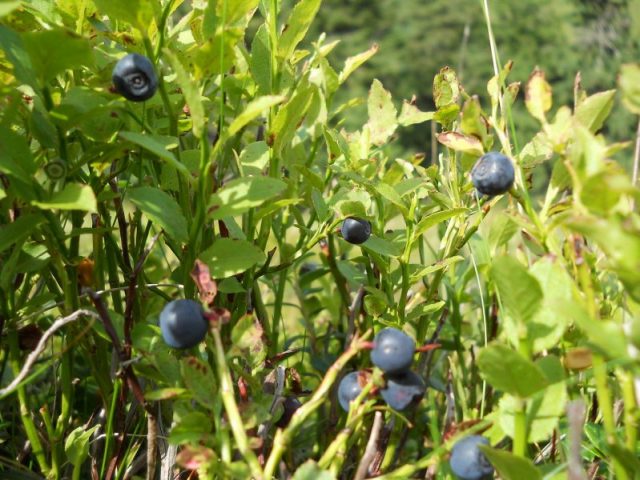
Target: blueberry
[
  {"x": 291, "y": 406},
  {"x": 134, "y": 78},
  {"x": 493, "y": 174},
  {"x": 183, "y": 323},
  {"x": 308, "y": 267},
  {"x": 403, "y": 390},
  {"x": 349, "y": 389},
  {"x": 356, "y": 230},
  {"x": 468, "y": 462},
  {"x": 392, "y": 350}
]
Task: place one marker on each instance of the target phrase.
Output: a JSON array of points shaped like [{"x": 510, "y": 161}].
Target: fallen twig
[{"x": 31, "y": 359}]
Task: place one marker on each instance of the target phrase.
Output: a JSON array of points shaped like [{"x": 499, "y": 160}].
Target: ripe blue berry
[
  {"x": 183, "y": 324},
  {"x": 349, "y": 389},
  {"x": 393, "y": 350},
  {"x": 356, "y": 230},
  {"x": 134, "y": 77},
  {"x": 493, "y": 174},
  {"x": 290, "y": 405},
  {"x": 468, "y": 462},
  {"x": 403, "y": 390}
]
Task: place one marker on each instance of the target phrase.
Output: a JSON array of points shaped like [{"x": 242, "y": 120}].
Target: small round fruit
[
  {"x": 403, "y": 390},
  {"x": 183, "y": 324},
  {"x": 349, "y": 389},
  {"x": 290, "y": 406},
  {"x": 468, "y": 462},
  {"x": 356, "y": 230},
  {"x": 392, "y": 350},
  {"x": 493, "y": 174},
  {"x": 134, "y": 78}
]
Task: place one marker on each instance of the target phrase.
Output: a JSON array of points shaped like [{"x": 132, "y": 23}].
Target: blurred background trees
[{"x": 418, "y": 37}]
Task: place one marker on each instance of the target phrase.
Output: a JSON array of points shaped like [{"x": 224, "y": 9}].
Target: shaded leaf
[
  {"x": 228, "y": 257},
  {"x": 162, "y": 209},
  {"x": 74, "y": 196},
  {"x": 243, "y": 194},
  {"x": 507, "y": 370}
]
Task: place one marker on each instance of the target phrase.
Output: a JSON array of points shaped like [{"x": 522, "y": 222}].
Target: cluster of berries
[{"x": 392, "y": 352}]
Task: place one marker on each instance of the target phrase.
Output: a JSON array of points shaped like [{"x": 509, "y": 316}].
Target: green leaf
[
  {"x": 54, "y": 51},
  {"x": 547, "y": 327},
  {"x": 435, "y": 218},
  {"x": 511, "y": 467},
  {"x": 260, "y": 63},
  {"x": 247, "y": 340},
  {"x": 237, "y": 9},
  {"x": 442, "y": 264},
  {"x": 190, "y": 427},
  {"x": 461, "y": 143},
  {"x": 388, "y": 192},
  {"x": 382, "y": 247},
  {"x": 411, "y": 115},
  {"x": 231, "y": 285},
  {"x": 252, "y": 110},
  {"x": 543, "y": 413},
  {"x": 76, "y": 445},
  {"x": 157, "y": 145},
  {"x": 520, "y": 293},
  {"x": 629, "y": 82},
  {"x": 8, "y": 6},
  {"x": 594, "y": 110},
  {"x": 310, "y": 471},
  {"x": 503, "y": 228},
  {"x": 138, "y": 13},
  {"x": 227, "y": 257},
  {"x": 538, "y": 95},
  {"x": 290, "y": 116},
  {"x": 424, "y": 310},
  {"x": 382, "y": 114},
  {"x": 297, "y": 25},
  {"x": 15, "y": 52},
  {"x": 320, "y": 206},
  {"x": 446, "y": 88},
  {"x": 254, "y": 158},
  {"x": 351, "y": 64},
  {"x": 15, "y": 156},
  {"x": 165, "y": 393},
  {"x": 16, "y": 231},
  {"x": 199, "y": 381},
  {"x": 74, "y": 196},
  {"x": 191, "y": 93},
  {"x": 507, "y": 370},
  {"x": 243, "y": 194},
  {"x": 162, "y": 209}
]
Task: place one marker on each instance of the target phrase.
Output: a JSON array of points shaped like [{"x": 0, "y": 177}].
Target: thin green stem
[
  {"x": 231, "y": 407},
  {"x": 25, "y": 410},
  {"x": 284, "y": 437}
]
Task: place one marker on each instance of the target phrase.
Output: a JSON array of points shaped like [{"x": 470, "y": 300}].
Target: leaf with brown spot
[
  {"x": 199, "y": 380},
  {"x": 461, "y": 143},
  {"x": 207, "y": 287},
  {"x": 538, "y": 95}
]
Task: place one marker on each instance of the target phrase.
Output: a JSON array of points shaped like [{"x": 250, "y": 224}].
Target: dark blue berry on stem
[
  {"x": 349, "y": 388},
  {"x": 290, "y": 406},
  {"x": 183, "y": 323},
  {"x": 403, "y": 390},
  {"x": 493, "y": 174},
  {"x": 392, "y": 350},
  {"x": 134, "y": 77},
  {"x": 356, "y": 230},
  {"x": 468, "y": 462}
]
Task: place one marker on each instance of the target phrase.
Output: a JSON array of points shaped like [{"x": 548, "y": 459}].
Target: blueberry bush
[{"x": 206, "y": 275}]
